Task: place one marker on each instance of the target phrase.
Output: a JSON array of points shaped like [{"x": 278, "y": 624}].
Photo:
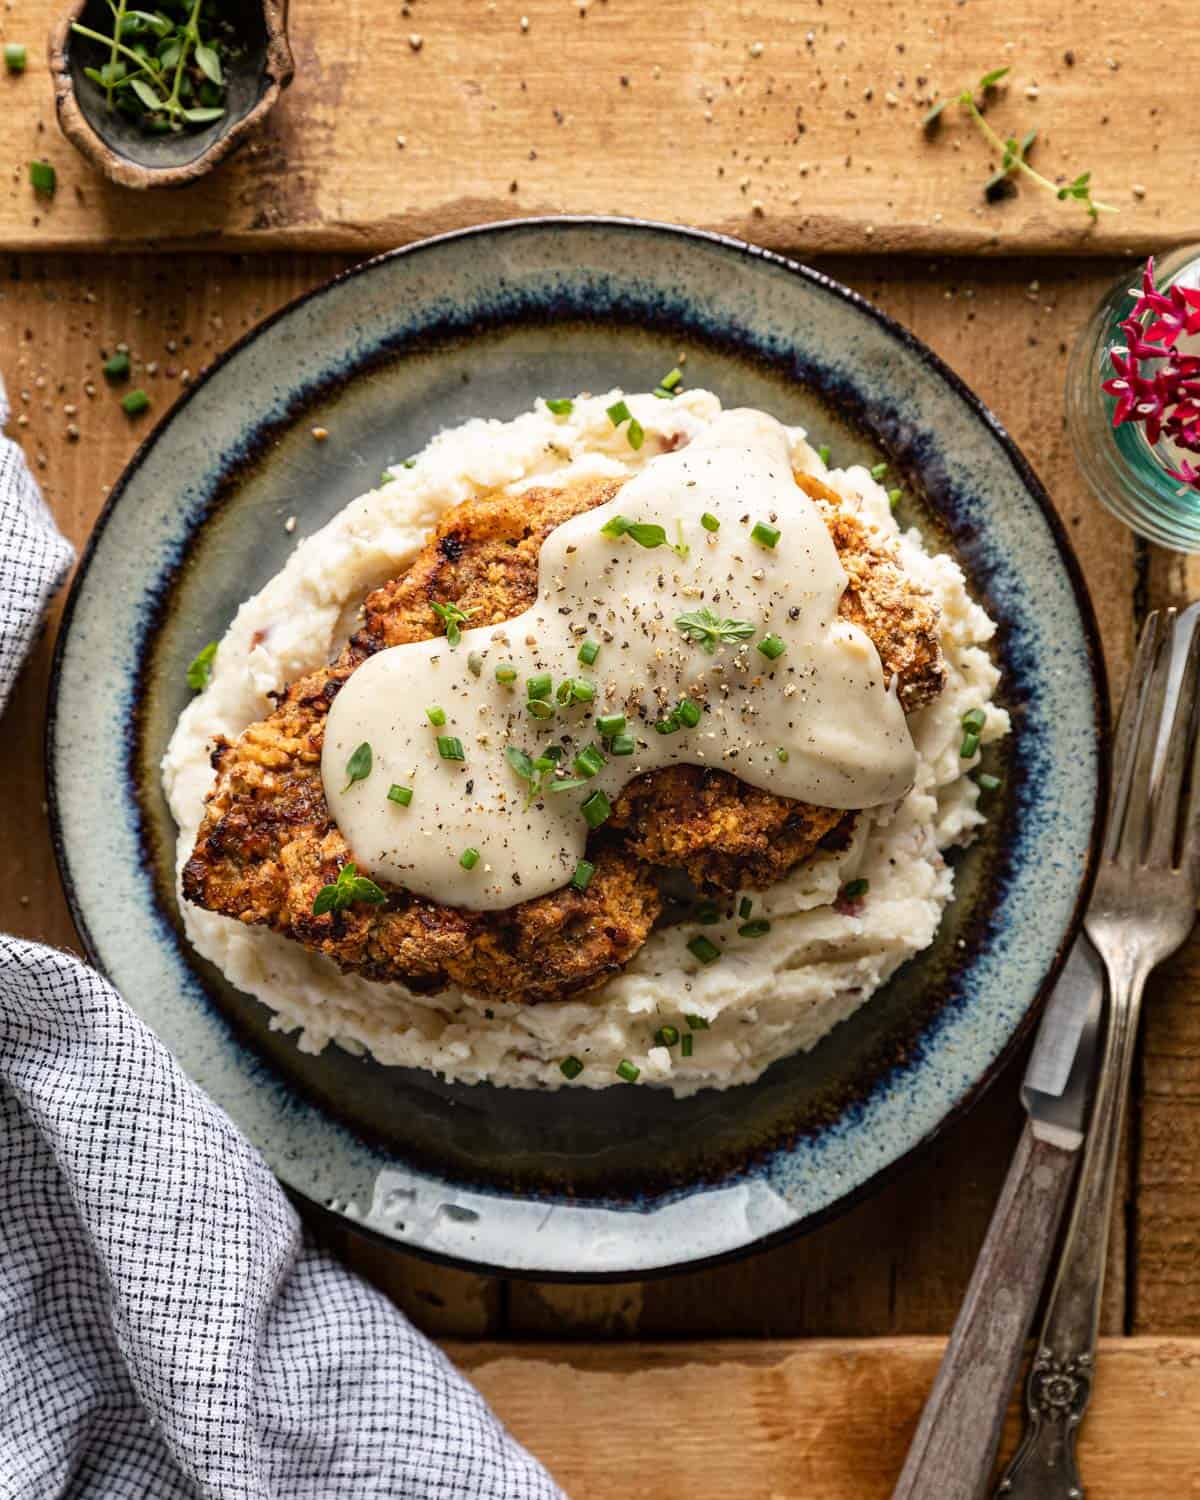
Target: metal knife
[{"x": 954, "y": 1448}]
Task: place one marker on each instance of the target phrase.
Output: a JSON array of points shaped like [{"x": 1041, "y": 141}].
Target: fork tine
[
  {"x": 1144, "y": 752},
  {"x": 1181, "y": 742},
  {"x": 1128, "y": 729}
]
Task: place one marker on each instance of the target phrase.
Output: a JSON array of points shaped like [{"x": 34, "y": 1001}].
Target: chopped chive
[
  {"x": 987, "y": 782},
  {"x": 561, "y": 406},
  {"x": 878, "y": 471},
  {"x": 588, "y": 652},
  {"x": 745, "y": 907},
  {"x": 894, "y": 497},
  {"x": 15, "y": 57},
  {"x": 705, "y": 950},
  {"x": 823, "y": 453},
  {"x": 552, "y": 753},
  {"x": 596, "y": 809},
  {"x": 707, "y": 914},
  {"x": 469, "y": 858},
  {"x": 474, "y": 663},
  {"x": 689, "y": 712},
  {"x": 854, "y": 889},
  {"x": 709, "y": 521},
  {"x": 666, "y": 1036},
  {"x": 116, "y": 366},
  {"x": 570, "y": 1067},
  {"x": 622, "y": 744},
  {"x": 200, "y": 668},
  {"x": 635, "y": 433},
  {"x": 756, "y": 929},
  {"x": 134, "y": 402},
  {"x": 582, "y": 877},
  {"x": 669, "y": 725},
  {"x": 618, "y": 412},
  {"x": 671, "y": 380},
  {"x": 539, "y": 708},
  {"x": 450, "y": 747},
  {"x": 538, "y": 686},
  {"x": 590, "y": 761},
  {"x": 358, "y": 767},
  {"x": 436, "y": 716},
  {"x": 609, "y": 724},
  {"x": 782, "y": 755},
  {"x": 765, "y": 535},
  {"x": 42, "y": 176},
  {"x": 974, "y": 719},
  {"x": 771, "y": 647},
  {"x": 582, "y": 691},
  {"x": 970, "y": 743},
  {"x": 506, "y": 673},
  {"x": 697, "y": 1023},
  {"x": 401, "y": 794},
  {"x": 409, "y": 463},
  {"x": 386, "y": 477},
  {"x": 685, "y": 1044},
  {"x": 627, "y": 1071},
  {"x": 663, "y": 394}
]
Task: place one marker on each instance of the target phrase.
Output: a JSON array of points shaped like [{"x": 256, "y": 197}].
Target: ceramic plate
[{"x": 624, "y": 1181}]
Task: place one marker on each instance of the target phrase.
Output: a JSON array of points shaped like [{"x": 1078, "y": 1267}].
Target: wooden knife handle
[{"x": 954, "y": 1448}]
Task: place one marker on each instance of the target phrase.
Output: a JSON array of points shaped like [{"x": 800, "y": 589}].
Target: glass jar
[{"x": 1129, "y": 475}]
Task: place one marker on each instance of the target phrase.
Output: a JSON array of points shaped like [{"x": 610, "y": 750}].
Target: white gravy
[{"x": 817, "y": 723}]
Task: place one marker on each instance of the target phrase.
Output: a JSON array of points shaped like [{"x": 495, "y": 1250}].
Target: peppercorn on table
[{"x": 800, "y": 1370}]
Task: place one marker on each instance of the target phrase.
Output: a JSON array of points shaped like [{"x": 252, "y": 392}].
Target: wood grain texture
[
  {"x": 795, "y": 125},
  {"x": 818, "y": 1420},
  {"x": 898, "y": 1263}
]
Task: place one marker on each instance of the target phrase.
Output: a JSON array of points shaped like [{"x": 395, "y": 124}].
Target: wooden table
[{"x": 811, "y": 143}]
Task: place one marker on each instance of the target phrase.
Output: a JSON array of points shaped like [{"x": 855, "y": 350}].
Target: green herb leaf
[
  {"x": 202, "y": 116},
  {"x": 116, "y": 366},
  {"x": 349, "y": 887},
  {"x": 15, "y": 57},
  {"x": 707, "y": 630},
  {"x": 452, "y": 617},
  {"x": 200, "y": 668},
  {"x": 362, "y": 889},
  {"x": 209, "y": 63},
  {"x": 146, "y": 94},
  {"x": 570, "y": 1067},
  {"x": 561, "y": 406},
  {"x": 43, "y": 177},
  {"x": 134, "y": 402},
  {"x": 930, "y": 120},
  {"x": 358, "y": 767}
]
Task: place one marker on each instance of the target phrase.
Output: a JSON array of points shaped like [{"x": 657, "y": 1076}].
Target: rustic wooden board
[
  {"x": 622, "y": 106},
  {"x": 822, "y": 1420},
  {"x": 896, "y": 1264}
]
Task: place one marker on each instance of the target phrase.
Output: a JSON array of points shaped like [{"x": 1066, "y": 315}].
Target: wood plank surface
[
  {"x": 817, "y": 1420},
  {"x": 797, "y": 125},
  {"x": 897, "y": 1263}
]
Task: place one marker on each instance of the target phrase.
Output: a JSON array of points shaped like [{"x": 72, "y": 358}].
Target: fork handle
[
  {"x": 954, "y": 1448},
  {"x": 1060, "y": 1379}
]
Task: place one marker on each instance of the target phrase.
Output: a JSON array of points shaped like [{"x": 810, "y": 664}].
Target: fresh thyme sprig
[
  {"x": 1014, "y": 152},
  {"x": 349, "y": 887},
  {"x": 534, "y": 772},
  {"x": 707, "y": 630},
  {"x": 165, "y": 74},
  {"x": 452, "y": 617}
]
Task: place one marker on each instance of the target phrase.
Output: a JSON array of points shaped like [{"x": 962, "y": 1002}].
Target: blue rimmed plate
[{"x": 625, "y": 1181}]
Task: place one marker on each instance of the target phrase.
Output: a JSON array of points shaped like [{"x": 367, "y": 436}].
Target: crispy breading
[{"x": 267, "y": 843}]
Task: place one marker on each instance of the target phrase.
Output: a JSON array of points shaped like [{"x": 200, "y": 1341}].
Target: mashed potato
[{"x": 823, "y": 957}]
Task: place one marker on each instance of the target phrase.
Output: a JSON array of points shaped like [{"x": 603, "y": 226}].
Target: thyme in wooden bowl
[{"x": 164, "y": 68}]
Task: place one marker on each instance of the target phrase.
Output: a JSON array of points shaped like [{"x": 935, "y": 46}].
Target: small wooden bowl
[{"x": 119, "y": 148}]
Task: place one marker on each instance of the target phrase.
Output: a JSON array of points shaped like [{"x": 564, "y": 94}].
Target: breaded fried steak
[{"x": 268, "y": 845}]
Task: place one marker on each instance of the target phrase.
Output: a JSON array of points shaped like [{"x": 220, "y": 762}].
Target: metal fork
[{"x": 1141, "y": 911}]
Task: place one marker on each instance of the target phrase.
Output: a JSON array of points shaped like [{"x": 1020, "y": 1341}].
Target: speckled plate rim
[{"x": 871, "y": 1183}]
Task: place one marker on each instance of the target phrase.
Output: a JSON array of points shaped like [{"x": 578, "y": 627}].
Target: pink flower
[
  {"x": 1191, "y": 297},
  {"x": 1187, "y": 474},
  {"x": 1123, "y": 387}
]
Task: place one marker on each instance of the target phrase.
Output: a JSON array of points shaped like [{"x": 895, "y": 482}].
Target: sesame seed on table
[{"x": 797, "y": 128}]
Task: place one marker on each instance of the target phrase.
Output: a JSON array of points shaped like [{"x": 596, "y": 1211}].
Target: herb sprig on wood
[
  {"x": 1013, "y": 152},
  {"x": 165, "y": 68}
]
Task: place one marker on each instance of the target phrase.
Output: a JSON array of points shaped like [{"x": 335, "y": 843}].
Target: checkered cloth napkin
[{"x": 166, "y": 1330}]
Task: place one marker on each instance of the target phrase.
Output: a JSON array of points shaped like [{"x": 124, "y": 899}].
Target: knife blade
[{"x": 1057, "y": 1086}]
